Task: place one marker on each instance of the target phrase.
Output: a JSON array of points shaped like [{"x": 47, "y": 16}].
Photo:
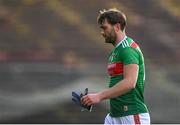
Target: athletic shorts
[{"x": 143, "y": 118}]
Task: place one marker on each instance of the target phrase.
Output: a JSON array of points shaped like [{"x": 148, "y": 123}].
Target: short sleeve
[{"x": 130, "y": 56}]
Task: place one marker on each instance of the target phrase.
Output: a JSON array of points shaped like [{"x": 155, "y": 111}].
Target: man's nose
[{"x": 102, "y": 33}]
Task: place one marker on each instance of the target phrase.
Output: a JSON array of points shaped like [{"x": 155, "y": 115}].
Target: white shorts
[{"x": 142, "y": 118}]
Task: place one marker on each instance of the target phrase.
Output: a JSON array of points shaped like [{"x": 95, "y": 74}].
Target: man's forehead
[{"x": 104, "y": 23}]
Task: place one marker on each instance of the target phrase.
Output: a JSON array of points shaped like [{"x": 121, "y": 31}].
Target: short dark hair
[{"x": 113, "y": 17}]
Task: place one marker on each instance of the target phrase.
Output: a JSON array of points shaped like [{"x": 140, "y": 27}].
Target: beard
[{"x": 111, "y": 37}]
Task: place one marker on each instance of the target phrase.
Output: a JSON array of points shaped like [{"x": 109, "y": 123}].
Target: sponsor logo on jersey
[{"x": 115, "y": 68}]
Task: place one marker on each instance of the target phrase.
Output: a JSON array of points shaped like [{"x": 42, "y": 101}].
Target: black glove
[{"x": 77, "y": 99}]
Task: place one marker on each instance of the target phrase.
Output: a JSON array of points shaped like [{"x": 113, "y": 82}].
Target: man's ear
[{"x": 117, "y": 27}]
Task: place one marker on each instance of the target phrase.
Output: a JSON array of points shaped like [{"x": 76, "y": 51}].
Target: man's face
[{"x": 108, "y": 32}]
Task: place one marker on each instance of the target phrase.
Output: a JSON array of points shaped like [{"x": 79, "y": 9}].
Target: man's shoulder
[
  {"x": 125, "y": 43},
  {"x": 128, "y": 43}
]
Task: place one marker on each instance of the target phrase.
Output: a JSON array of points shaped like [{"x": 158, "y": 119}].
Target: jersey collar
[{"x": 121, "y": 41}]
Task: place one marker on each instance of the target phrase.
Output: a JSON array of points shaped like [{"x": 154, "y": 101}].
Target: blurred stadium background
[{"x": 50, "y": 47}]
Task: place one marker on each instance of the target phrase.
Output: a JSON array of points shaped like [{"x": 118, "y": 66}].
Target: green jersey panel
[{"x": 132, "y": 102}]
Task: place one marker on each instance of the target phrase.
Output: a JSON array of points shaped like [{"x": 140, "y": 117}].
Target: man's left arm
[{"x": 128, "y": 83}]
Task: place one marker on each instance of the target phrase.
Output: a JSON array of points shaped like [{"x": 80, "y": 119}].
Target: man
[{"x": 126, "y": 71}]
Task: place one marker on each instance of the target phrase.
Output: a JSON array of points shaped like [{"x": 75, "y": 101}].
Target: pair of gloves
[{"x": 77, "y": 99}]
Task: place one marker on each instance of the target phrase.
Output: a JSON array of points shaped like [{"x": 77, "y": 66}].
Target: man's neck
[{"x": 119, "y": 38}]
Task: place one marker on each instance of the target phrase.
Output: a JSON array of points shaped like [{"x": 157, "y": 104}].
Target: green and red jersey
[{"x": 132, "y": 102}]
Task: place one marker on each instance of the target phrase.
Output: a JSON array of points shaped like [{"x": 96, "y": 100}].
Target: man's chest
[{"x": 115, "y": 66}]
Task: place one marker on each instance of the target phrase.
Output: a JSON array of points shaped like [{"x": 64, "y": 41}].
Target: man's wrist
[{"x": 102, "y": 95}]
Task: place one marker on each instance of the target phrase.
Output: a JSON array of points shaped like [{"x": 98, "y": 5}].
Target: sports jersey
[{"x": 132, "y": 102}]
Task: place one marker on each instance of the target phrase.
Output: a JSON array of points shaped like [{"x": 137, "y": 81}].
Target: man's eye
[{"x": 104, "y": 28}]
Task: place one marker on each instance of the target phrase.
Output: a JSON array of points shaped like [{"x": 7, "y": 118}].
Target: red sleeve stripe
[{"x": 134, "y": 45}]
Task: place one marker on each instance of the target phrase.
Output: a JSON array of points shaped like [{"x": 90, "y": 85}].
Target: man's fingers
[
  {"x": 85, "y": 100},
  {"x": 87, "y": 103}
]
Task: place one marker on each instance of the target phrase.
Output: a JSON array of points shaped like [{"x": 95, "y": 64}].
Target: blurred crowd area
[{"x": 48, "y": 48}]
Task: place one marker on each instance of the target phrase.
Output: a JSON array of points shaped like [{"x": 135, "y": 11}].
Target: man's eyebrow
[{"x": 101, "y": 26}]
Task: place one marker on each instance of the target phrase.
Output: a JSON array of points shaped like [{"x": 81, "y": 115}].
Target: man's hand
[
  {"x": 77, "y": 99},
  {"x": 90, "y": 99}
]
